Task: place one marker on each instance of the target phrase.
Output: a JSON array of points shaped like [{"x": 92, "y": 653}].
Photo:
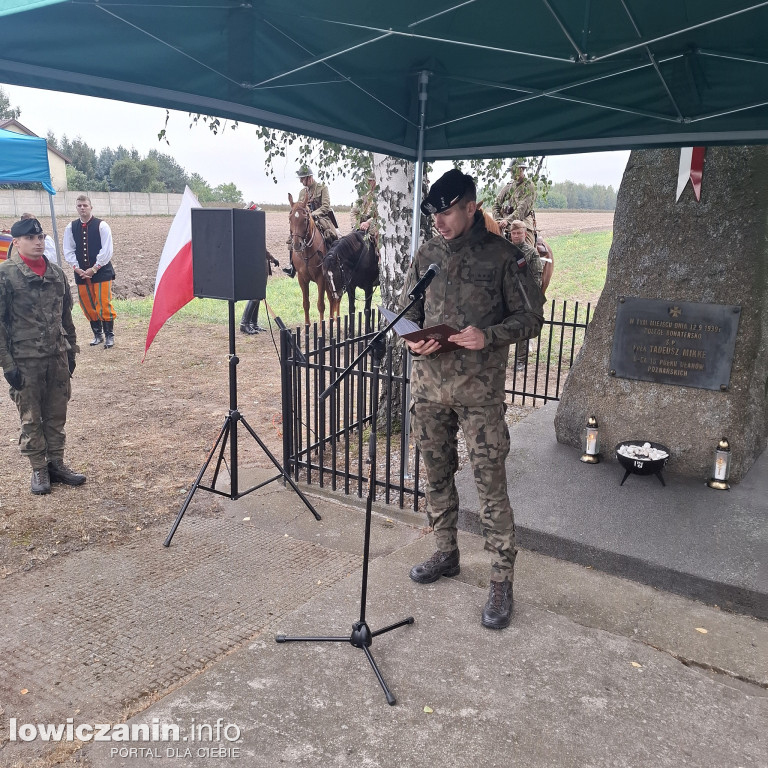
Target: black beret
[
  {"x": 446, "y": 191},
  {"x": 26, "y": 227}
]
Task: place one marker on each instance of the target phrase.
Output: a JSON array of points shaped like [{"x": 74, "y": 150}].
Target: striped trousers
[{"x": 96, "y": 300}]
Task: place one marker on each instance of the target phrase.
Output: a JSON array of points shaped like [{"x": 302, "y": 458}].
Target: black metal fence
[{"x": 326, "y": 429}]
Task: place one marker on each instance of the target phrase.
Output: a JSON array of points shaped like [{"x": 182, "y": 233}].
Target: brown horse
[
  {"x": 490, "y": 223},
  {"x": 307, "y": 254}
]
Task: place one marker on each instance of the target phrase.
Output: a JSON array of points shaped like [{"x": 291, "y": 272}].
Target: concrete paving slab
[
  {"x": 168, "y": 635},
  {"x": 685, "y": 538},
  {"x": 279, "y": 508},
  {"x": 545, "y": 692},
  {"x": 696, "y": 634}
]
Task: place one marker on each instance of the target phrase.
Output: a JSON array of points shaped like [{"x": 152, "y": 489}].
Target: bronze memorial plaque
[{"x": 675, "y": 342}]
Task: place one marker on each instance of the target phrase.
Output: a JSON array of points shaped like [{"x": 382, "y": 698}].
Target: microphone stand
[{"x": 362, "y": 636}]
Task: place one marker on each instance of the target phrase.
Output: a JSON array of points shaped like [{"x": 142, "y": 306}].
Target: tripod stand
[
  {"x": 362, "y": 636},
  {"x": 229, "y": 432}
]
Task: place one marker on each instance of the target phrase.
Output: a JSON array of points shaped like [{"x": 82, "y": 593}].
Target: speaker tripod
[
  {"x": 227, "y": 434},
  {"x": 362, "y": 636}
]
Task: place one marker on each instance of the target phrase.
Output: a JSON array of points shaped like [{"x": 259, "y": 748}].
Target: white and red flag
[
  {"x": 173, "y": 285},
  {"x": 691, "y": 169}
]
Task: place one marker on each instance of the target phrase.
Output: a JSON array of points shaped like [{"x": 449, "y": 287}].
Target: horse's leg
[
  {"x": 367, "y": 312},
  {"x": 352, "y": 319},
  {"x": 333, "y": 304},
  {"x": 335, "y": 307},
  {"x": 320, "y": 297},
  {"x": 304, "y": 283}
]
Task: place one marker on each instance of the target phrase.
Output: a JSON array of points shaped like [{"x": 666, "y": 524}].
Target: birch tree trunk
[{"x": 395, "y": 180}]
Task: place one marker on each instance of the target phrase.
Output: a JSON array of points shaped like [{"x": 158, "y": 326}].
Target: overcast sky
[{"x": 233, "y": 156}]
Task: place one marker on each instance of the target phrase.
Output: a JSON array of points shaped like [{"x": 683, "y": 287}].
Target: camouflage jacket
[
  {"x": 535, "y": 263},
  {"x": 515, "y": 201},
  {"x": 365, "y": 209},
  {"x": 35, "y": 312},
  {"x": 479, "y": 284}
]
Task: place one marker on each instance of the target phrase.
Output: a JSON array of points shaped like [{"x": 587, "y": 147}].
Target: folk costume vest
[{"x": 87, "y": 246}]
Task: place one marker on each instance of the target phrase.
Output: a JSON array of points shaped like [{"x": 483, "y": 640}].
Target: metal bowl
[{"x": 642, "y": 466}]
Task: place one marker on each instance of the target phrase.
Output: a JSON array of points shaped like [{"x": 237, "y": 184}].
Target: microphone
[{"x": 421, "y": 287}]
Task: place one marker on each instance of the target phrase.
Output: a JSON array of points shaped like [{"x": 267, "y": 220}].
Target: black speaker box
[{"x": 229, "y": 254}]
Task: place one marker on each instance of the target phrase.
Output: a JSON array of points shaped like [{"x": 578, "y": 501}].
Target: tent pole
[
  {"x": 418, "y": 168},
  {"x": 418, "y": 181},
  {"x": 55, "y": 234}
]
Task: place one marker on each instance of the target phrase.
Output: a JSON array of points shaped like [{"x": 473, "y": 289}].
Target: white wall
[{"x": 14, "y": 202}]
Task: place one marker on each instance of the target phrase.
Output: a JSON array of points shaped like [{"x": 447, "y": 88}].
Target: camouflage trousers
[
  {"x": 42, "y": 404},
  {"x": 435, "y": 428}
]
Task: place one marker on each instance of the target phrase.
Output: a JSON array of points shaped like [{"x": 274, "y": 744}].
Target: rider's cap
[
  {"x": 519, "y": 164},
  {"x": 517, "y": 224},
  {"x": 446, "y": 191},
  {"x": 304, "y": 171},
  {"x": 26, "y": 227}
]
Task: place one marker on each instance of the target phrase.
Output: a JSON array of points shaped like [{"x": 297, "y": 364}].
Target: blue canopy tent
[{"x": 24, "y": 159}]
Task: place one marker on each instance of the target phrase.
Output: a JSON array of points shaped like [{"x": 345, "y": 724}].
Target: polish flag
[
  {"x": 173, "y": 285},
  {"x": 691, "y": 168}
]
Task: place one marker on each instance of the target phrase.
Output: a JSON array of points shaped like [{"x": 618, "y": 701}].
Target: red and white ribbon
[{"x": 691, "y": 167}]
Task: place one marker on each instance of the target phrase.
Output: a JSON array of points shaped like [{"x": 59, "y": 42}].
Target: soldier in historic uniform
[
  {"x": 516, "y": 200},
  {"x": 485, "y": 290},
  {"x": 318, "y": 198},
  {"x": 88, "y": 248},
  {"x": 37, "y": 352},
  {"x": 517, "y": 233},
  {"x": 365, "y": 214}
]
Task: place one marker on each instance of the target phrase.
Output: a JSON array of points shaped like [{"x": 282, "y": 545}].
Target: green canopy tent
[{"x": 438, "y": 79}]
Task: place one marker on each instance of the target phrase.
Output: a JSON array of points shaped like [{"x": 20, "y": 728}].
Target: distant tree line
[
  {"x": 125, "y": 170},
  {"x": 569, "y": 194}
]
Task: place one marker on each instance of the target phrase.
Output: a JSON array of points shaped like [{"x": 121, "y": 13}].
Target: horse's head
[
  {"x": 300, "y": 222},
  {"x": 332, "y": 268}
]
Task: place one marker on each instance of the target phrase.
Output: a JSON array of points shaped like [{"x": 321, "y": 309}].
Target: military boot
[
  {"x": 98, "y": 335},
  {"x": 290, "y": 270},
  {"x": 109, "y": 334},
  {"x": 440, "y": 564},
  {"x": 255, "y": 319},
  {"x": 498, "y": 610},
  {"x": 60, "y": 473},
  {"x": 41, "y": 482}
]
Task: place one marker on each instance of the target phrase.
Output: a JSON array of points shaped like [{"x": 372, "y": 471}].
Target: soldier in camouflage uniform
[
  {"x": 37, "y": 352},
  {"x": 485, "y": 290},
  {"x": 515, "y": 201},
  {"x": 318, "y": 199},
  {"x": 517, "y": 233}
]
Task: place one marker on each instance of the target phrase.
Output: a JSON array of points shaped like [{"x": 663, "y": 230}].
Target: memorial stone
[{"x": 671, "y": 256}]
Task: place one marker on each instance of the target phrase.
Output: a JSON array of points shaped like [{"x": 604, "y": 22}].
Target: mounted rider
[
  {"x": 515, "y": 201},
  {"x": 318, "y": 200},
  {"x": 365, "y": 214}
]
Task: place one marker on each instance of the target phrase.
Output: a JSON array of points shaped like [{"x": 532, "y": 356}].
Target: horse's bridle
[{"x": 304, "y": 241}]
